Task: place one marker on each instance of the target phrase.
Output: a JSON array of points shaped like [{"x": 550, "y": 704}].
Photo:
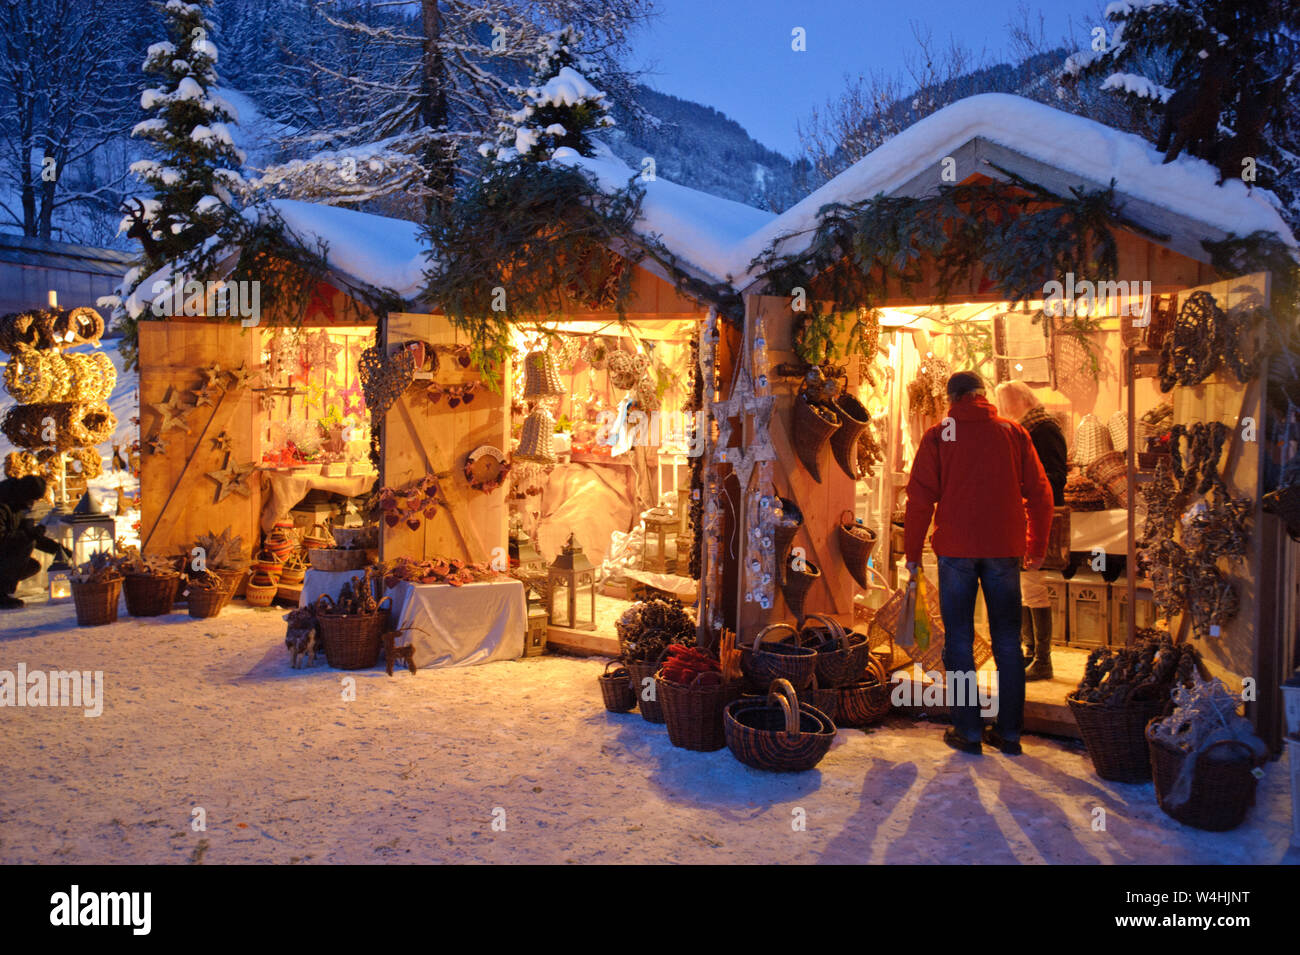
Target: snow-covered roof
[
  {"x": 702, "y": 230},
  {"x": 1074, "y": 145},
  {"x": 374, "y": 250}
]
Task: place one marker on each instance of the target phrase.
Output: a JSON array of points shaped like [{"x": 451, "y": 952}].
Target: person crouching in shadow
[{"x": 20, "y": 535}]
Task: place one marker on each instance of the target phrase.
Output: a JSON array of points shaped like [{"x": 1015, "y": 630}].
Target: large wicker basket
[
  {"x": 764, "y": 662},
  {"x": 1223, "y": 790},
  {"x": 96, "y": 603},
  {"x": 150, "y": 595},
  {"x": 205, "y": 602},
  {"x": 1115, "y": 736},
  {"x": 693, "y": 713},
  {"x": 779, "y": 734},
  {"x": 352, "y": 641},
  {"x": 261, "y": 589},
  {"x": 863, "y": 703}
]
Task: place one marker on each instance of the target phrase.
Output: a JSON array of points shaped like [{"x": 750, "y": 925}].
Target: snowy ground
[{"x": 208, "y": 714}]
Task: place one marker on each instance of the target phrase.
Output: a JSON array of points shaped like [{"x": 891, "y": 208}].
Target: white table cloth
[
  {"x": 462, "y": 626},
  {"x": 448, "y": 626}
]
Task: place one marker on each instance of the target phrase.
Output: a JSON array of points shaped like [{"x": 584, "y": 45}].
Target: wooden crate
[
  {"x": 1146, "y": 611},
  {"x": 1089, "y": 611}
]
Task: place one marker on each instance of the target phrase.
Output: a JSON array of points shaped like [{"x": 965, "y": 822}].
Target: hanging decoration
[
  {"x": 232, "y": 479},
  {"x": 486, "y": 468},
  {"x": 411, "y": 503},
  {"x": 383, "y": 380}
]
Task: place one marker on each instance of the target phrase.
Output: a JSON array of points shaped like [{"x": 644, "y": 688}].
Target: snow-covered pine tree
[
  {"x": 197, "y": 170},
  {"x": 195, "y": 174},
  {"x": 559, "y": 108},
  {"x": 1224, "y": 76}
]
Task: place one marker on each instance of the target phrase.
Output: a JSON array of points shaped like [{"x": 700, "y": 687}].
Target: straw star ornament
[
  {"x": 241, "y": 377},
  {"x": 213, "y": 375}
]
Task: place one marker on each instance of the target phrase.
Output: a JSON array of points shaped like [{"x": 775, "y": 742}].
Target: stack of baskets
[
  {"x": 846, "y": 664},
  {"x": 777, "y": 734},
  {"x": 764, "y": 662}
]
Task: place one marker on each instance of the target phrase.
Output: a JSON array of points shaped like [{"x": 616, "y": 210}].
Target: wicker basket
[
  {"x": 811, "y": 426},
  {"x": 1091, "y": 440},
  {"x": 863, "y": 703},
  {"x": 1110, "y": 471},
  {"x": 261, "y": 589},
  {"x": 150, "y": 595},
  {"x": 797, "y": 583},
  {"x": 96, "y": 603},
  {"x": 334, "y": 559},
  {"x": 783, "y": 535},
  {"x": 840, "y": 658},
  {"x": 854, "y": 419},
  {"x": 763, "y": 663},
  {"x": 1058, "y": 540},
  {"x": 616, "y": 689},
  {"x": 352, "y": 641},
  {"x": 856, "y": 544},
  {"x": 693, "y": 714},
  {"x": 1115, "y": 737},
  {"x": 652, "y": 711},
  {"x": 1223, "y": 790},
  {"x": 823, "y": 698},
  {"x": 266, "y": 562},
  {"x": 294, "y": 572},
  {"x": 234, "y": 580},
  {"x": 204, "y": 602},
  {"x": 779, "y": 734}
]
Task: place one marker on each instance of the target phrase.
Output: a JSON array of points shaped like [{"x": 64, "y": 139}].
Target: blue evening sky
[{"x": 736, "y": 56}]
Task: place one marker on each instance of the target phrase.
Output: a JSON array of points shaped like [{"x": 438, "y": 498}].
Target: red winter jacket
[{"x": 982, "y": 480}]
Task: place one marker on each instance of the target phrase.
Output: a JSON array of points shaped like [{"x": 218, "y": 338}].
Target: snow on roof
[
  {"x": 1074, "y": 144},
  {"x": 381, "y": 252},
  {"x": 701, "y": 229}
]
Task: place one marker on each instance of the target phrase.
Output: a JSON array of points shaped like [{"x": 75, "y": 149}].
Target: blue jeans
[{"x": 959, "y": 580}]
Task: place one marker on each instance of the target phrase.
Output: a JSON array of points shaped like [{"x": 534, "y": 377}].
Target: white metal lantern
[
  {"x": 87, "y": 530},
  {"x": 573, "y": 588}
]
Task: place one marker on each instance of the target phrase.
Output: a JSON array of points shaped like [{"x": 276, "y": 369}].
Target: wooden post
[{"x": 1130, "y": 635}]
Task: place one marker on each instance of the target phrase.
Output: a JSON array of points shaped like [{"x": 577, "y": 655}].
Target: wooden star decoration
[
  {"x": 241, "y": 377},
  {"x": 173, "y": 411},
  {"x": 221, "y": 442},
  {"x": 213, "y": 376},
  {"x": 156, "y": 445},
  {"x": 232, "y": 480},
  {"x": 207, "y": 395}
]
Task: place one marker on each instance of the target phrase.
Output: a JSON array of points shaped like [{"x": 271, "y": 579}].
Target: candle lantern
[
  {"x": 60, "y": 580},
  {"x": 573, "y": 588},
  {"x": 87, "y": 529}
]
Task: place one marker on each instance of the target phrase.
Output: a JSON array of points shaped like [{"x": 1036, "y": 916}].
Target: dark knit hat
[{"x": 964, "y": 383}]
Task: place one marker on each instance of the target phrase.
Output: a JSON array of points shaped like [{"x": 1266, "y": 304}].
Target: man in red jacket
[{"x": 978, "y": 476}]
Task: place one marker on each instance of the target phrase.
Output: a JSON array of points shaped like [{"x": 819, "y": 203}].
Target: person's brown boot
[{"x": 1041, "y": 668}]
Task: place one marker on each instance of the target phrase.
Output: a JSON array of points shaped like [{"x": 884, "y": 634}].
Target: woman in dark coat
[{"x": 1017, "y": 401}]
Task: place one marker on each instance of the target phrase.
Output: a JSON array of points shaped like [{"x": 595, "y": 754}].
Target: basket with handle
[
  {"x": 764, "y": 662},
  {"x": 693, "y": 712},
  {"x": 318, "y": 537},
  {"x": 616, "y": 688},
  {"x": 822, "y": 697},
  {"x": 352, "y": 641},
  {"x": 293, "y": 572},
  {"x": 261, "y": 589},
  {"x": 840, "y": 657},
  {"x": 1223, "y": 788},
  {"x": 884, "y": 624},
  {"x": 867, "y": 700},
  {"x": 777, "y": 734}
]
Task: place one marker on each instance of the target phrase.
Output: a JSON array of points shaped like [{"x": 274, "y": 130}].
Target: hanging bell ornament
[
  {"x": 541, "y": 380},
  {"x": 535, "y": 441}
]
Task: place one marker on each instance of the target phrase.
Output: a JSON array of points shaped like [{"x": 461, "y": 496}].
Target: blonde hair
[{"x": 1016, "y": 392}]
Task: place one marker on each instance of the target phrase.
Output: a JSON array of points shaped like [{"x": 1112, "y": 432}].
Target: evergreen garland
[{"x": 1017, "y": 238}]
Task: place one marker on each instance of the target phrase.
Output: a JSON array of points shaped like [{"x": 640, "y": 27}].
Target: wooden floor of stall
[{"x": 1046, "y": 711}]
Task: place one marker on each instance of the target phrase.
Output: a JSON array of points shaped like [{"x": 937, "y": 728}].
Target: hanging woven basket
[
  {"x": 854, "y": 420},
  {"x": 798, "y": 581},
  {"x": 783, "y": 536},
  {"x": 856, "y": 544},
  {"x": 811, "y": 426}
]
